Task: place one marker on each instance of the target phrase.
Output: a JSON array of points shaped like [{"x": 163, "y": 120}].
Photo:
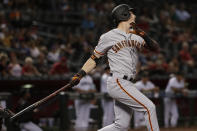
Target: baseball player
[
  {"x": 175, "y": 85},
  {"x": 107, "y": 103},
  {"x": 121, "y": 47},
  {"x": 145, "y": 86},
  {"x": 26, "y": 122},
  {"x": 82, "y": 107}
]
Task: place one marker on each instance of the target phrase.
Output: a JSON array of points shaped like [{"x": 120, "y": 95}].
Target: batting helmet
[{"x": 121, "y": 13}]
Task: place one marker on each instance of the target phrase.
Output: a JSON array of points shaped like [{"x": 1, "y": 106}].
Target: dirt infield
[
  {"x": 161, "y": 129},
  {"x": 171, "y": 129}
]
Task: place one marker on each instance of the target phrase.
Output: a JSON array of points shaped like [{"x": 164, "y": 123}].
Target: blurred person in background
[
  {"x": 107, "y": 102},
  {"x": 194, "y": 54},
  {"x": 24, "y": 49},
  {"x": 26, "y": 121},
  {"x": 186, "y": 57},
  {"x": 175, "y": 85},
  {"x": 3, "y": 64},
  {"x": 6, "y": 40},
  {"x": 29, "y": 69},
  {"x": 59, "y": 68},
  {"x": 42, "y": 64},
  {"x": 35, "y": 52},
  {"x": 160, "y": 66},
  {"x": 173, "y": 65},
  {"x": 14, "y": 67},
  {"x": 54, "y": 54},
  {"x": 181, "y": 13},
  {"x": 83, "y": 107},
  {"x": 88, "y": 22},
  {"x": 145, "y": 86}
]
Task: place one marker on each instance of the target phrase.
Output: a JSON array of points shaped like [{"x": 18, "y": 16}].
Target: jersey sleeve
[
  {"x": 141, "y": 41},
  {"x": 152, "y": 86},
  {"x": 171, "y": 82},
  {"x": 102, "y": 47}
]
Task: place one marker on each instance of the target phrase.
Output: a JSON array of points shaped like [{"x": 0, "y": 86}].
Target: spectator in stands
[
  {"x": 160, "y": 66},
  {"x": 14, "y": 67},
  {"x": 24, "y": 49},
  {"x": 35, "y": 52},
  {"x": 26, "y": 121},
  {"x": 42, "y": 64},
  {"x": 186, "y": 57},
  {"x": 173, "y": 65},
  {"x": 59, "y": 68},
  {"x": 29, "y": 69},
  {"x": 65, "y": 5},
  {"x": 7, "y": 38},
  {"x": 194, "y": 54},
  {"x": 182, "y": 13},
  {"x": 54, "y": 54},
  {"x": 3, "y": 64},
  {"x": 88, "y": 22}
]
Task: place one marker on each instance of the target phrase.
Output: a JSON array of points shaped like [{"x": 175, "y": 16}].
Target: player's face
[
  {"x": 132, "y": 17},
  {"x": 145, "y": 79}
]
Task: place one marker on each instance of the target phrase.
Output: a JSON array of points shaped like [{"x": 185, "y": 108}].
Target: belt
[{"x": 125, "y": 77}]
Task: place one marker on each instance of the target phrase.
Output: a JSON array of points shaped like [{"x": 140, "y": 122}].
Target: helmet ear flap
[
  {"x": 121, "y": 13},
  {"x": 126, "y": 15}
]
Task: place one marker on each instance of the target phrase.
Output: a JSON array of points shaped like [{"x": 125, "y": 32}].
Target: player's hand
[
  {"x": 136, "y": 30},
  {"x": 5, "y": 113},
  {"x": 77, "y": 77}
]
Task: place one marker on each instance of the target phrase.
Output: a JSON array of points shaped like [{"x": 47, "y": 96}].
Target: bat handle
[{"x": 29, "y": 108}]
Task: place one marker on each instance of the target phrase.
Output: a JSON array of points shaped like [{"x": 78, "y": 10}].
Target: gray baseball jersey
[
  {"x": 121, "y": 49},
  {"x": 122, "y": 53}
]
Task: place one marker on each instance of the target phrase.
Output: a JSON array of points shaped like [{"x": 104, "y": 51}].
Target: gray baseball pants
[{"x": 128, "y": 98}]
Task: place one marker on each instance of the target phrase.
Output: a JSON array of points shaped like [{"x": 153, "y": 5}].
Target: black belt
[{"x": 125, "y": 77}]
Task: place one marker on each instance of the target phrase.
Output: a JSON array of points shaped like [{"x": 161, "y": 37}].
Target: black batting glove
[{"x": 77, "y": 77}]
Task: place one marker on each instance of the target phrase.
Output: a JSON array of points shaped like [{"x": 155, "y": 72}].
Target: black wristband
[
  {"x": 147, "y": 39},
  {"x": 82, "y": 73},
  {"x": 93, "y": 57},
  {"x": 151, "y": 44}
]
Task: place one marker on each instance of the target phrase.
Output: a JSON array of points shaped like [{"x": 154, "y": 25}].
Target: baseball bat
[{"x": 38, "y": 103}]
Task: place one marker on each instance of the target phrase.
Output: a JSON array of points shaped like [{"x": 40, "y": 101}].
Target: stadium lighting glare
[{"x": 27, "y": 86}]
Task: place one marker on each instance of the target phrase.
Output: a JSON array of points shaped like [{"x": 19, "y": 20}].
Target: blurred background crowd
[{"x": 45, "y": 38}]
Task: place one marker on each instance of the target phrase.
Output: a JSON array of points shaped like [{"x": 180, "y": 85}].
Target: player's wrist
[
  {"x": 77, "y": 77},
  {"x": 82, "y": 73}
]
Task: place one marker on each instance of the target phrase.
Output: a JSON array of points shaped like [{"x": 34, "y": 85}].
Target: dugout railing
[{"x": 66, "y": 116}]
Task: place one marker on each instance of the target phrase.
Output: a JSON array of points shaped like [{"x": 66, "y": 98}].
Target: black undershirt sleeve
[{"x": 151, "y": 44}]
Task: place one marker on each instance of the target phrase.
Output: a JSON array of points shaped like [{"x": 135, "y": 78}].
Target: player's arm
[
  {"x": 89, "y": 65},
  {"x": 151, "y": 44},
  {"x": 176, "y": 90}
]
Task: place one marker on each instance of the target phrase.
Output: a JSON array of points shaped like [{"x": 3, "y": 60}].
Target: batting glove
[{"x": 77, "y": 77}]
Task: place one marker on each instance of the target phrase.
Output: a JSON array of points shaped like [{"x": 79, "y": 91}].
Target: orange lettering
[
  {"x": 120, "y": 46},
  {"x": 129, "y": 43},
  {"x": 114, "y": 49},
  {"x": 117, "y": 48},
  {"x": 132, "y": 42}
]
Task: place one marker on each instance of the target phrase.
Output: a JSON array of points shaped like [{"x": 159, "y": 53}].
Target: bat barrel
[
  {"x": 38, "y": 103},
  {"x": 29, "y": 108}
]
